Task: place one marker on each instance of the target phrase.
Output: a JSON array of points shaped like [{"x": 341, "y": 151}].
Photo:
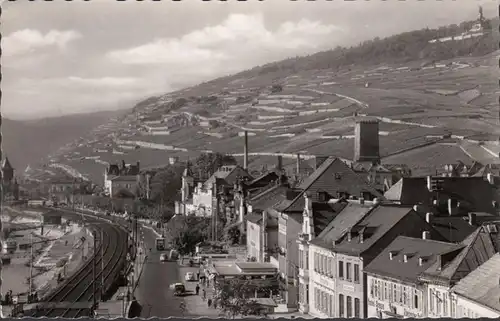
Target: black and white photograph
[{"x": 250, "y": 159}]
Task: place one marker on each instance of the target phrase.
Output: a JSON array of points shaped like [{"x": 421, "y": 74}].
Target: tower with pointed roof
[{"x": 7, "y": 171}]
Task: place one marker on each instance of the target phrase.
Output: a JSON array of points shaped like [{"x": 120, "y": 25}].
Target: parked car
[
  {"x": 190, "y": 276},
  {"x": 178, "y": 288}
]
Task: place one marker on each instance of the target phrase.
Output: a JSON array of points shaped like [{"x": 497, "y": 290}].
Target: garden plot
[
  {"x": 404, "y": 140},
  {"x": 453, "y": 123},
  {"x": 478, "y": 153}
]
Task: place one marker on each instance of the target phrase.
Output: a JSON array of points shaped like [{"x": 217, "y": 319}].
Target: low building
[
  {"x": 478, "y": 294},
  {"x": 394, "y": 290},
  {"x": 121, "y": 177}
]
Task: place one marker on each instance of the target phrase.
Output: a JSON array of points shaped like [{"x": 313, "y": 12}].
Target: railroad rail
[{"x": 74, "y": 297}]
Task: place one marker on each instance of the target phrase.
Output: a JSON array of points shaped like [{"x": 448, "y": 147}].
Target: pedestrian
[
  {"x": 204, "y": 294},
  {"x": 197, "y": 289},
  {"x": 209, "y": 302},
  {"x": 215, "y": 303},
  {"x": 198, "y": 275}
]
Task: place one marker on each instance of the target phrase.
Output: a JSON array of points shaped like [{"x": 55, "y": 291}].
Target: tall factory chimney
[
  {"x": 245, "y": 150},
  {"x": 298, "y": 164}
]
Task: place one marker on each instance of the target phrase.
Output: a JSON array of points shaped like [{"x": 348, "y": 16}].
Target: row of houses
[{"x": 427, "y": 247}]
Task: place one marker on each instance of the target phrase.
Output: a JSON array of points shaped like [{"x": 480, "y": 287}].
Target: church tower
[{"x": 7, "y": 171}]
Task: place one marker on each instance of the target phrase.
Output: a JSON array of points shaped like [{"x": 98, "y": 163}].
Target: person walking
[
  {"x": 209, "y": 302},
  {"x": 204, "y": 294},
  {"x": 197, "y": 289}
]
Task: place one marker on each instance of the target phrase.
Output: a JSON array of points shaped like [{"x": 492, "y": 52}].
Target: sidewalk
[{"x": 195, "y": 305}]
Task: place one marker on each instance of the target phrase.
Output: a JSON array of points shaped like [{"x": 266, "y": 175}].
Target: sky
[{"x": 71, "y": 57}]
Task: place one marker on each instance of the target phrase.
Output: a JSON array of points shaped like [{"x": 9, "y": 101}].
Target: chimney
[
  {"x": 334, "y": 243},
  {"x": 349, "y": 236},
  {"x": 405, "y": 258},
  {"x": 428, "y": 217},
  {"x": 279, "y": 164},
  {"x": 392, "y": 254},
  {"x": 472, "y": 218},
  {"x": 245, "y": 150},
  {"x": 490, "y": 178},
  {"x": 361, "y": 201},
  {"x": 416, "y": 208},
  {"x": 452, "y": 208},
  {"x": 429, "y": 183},
  {"x": 420, "y": 261},
  {"x": 376, "y": 201},
  {"x": 426, "y": 235},
  {"x": 298, "y": 164},
  {"x": 361, "y": 235}
]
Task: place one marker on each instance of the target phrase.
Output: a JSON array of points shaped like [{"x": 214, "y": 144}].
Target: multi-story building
[
  {"x": 332, "y": 179},
  {"x": 354, "y": 238},
  {"x": 478, "y": 294},
  {"x": 393, "y": 288},
  {"x": 439, "y": 278},
  {"x": 121, "y": 180}
]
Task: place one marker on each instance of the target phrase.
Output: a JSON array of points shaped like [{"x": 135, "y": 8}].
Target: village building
[
  {"x": 448, "y": 195},
  {"x": 451, "y": 267},
  {"x": 478, "y": 294},
  {"x": 63, "y": 189},
  {"x": 393, "y": 288},
  {"x": 121, "y": 180},
  {"x": 352, "y": 240},
  {"x": 332, "y": 179}
]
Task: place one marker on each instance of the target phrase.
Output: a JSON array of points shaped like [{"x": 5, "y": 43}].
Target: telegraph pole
[
  {"x": 102, "y": 265},
  {"x": 94, "y": 234},
  {"x": 31, "y": 266}
]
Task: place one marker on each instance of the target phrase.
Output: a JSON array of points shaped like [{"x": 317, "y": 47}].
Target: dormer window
[
  {"x": 322, "y": 196},
  {"x": 338, "y": 176}
]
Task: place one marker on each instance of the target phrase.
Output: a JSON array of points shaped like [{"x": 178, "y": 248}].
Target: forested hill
[{"x": 400, "y": 48}]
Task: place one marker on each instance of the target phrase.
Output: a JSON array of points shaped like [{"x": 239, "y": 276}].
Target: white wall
[
  {"x": 322, "y": 283},
  {"x": 468, "y": 309},
  {"x": 385, "y": 295},
  {"x": 253, "y": 240},
  {"x": 438, "y": 301}
]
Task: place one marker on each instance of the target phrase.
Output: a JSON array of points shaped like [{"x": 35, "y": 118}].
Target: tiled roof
[
  {"x": 324, "y": 213},
  {"x": 347, "y": 218},
  {"x": 124, "y": 178},
  {"x": 414, "y": 248},
  {"x": 257, "y": 219},
  {"x": 473, "y": 192},
  {"x": 269, "y": 197},
  {"x": 455, "y": 228},
  {"x": 478, "y": 249},
  {"x": 223, "y": 175},
  {"x": 350, "y": 182},
  {"x": 482, "y": 284}
]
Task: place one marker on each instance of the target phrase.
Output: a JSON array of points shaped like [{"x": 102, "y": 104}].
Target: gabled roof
[
  {"x": 224, "y": 172},
  {"x": 474, "y": 193},
  {"x": 324, "y": 213},
  {"x": 478, "y": 249},
  {"x": 269, "y": 197},
  {"x": 481, "y": 285},
  {"x": 414, "y": 248},
  {"x": 350, "y": 182},
  {"x": 6, "y": 164},
  {"x": 457, "y": 228}
]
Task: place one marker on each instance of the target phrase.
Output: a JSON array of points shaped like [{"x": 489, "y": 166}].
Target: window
[
  {"x": 322, "y": 196},
  {"x": 356, "y": 273},
  {"x": 307, "y": 294},
  {"x": 431, "y": 300},
  {"x": 415, "y": 300},
  {"x": 348, "y": 271},
  {"x": 445, "y": 304},
  {"x": 386, "y": 295},
  {"x": 341, "y": 269},
  {"x": 316, "y": 262},
  {"x": 341, "y": 305},
  {"x": 338, "y": 176},
  {"x": 301, "y": 259},
  {"x": 356, "y": 308},
  {"x": 394, "y": 293},
  {"x": 306, "y": 261},
  {"x": 330, "y": 305},
  {"x": 372, "y": 288},
  {"x": 349, "y": 307},
  {"x": 328, "y": 266},
  {"x": 316, "y": 298}
]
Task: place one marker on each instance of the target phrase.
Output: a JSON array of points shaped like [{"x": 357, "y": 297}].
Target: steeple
[{"x": 6, "y": 164}]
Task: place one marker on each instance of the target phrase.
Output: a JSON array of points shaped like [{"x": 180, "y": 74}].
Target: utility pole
[
  {"x": 102, "y": 265},
  {"x": 31, "y": 266},
  {"x": 94, "y": 297}
]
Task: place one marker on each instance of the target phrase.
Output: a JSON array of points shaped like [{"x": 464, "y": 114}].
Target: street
[{"x": 153, "y": 291}]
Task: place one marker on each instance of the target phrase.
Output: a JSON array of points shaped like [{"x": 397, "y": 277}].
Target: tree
[
  {"x": 184, "y": 232},
  {"x": 166, "y": 184},
  {"x": 208, "y": 163},
  {"x": 236, "y": 297}
]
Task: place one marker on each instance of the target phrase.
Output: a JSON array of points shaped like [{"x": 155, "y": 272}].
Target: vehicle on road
[
  {"x": 190, "y": 276},
  {"x": 163, "y": 257},
  {"x": 178, "y": 288},
  {"x": 160, "y": 244}
]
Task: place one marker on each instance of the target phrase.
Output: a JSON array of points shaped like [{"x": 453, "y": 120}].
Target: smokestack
[
  {"x": 298, "y": 164},
  {"x": 472, "y": 218},
  {"x": 245, "y": 150}
]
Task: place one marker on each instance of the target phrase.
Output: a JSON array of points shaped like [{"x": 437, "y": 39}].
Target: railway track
[{"x": 74, "y": 297}]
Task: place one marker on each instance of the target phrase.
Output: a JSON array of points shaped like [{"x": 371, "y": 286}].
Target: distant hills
[{"x": 30, "y": 141}]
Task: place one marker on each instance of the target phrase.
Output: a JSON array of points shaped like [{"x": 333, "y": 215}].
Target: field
[{"x": 418, "y": 109}]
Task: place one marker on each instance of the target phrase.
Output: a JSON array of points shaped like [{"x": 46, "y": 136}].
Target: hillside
[
  {"x": 432, "y": 90},
  {"x": 28, "y": 142}
]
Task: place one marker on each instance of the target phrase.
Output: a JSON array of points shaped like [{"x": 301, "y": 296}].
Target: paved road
[{"x": 153, "y": 291}]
